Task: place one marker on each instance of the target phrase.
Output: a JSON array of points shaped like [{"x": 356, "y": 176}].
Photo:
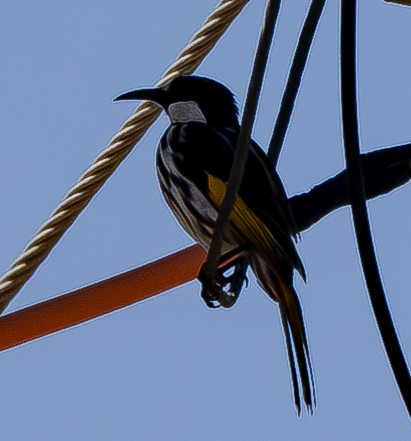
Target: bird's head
[{"x": 192, "y": 98}]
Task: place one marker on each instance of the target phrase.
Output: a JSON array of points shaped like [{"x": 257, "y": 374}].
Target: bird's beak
[{"x": 156, "y": 95}]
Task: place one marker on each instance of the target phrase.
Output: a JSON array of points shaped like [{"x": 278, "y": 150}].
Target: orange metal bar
[{"x": 100, "y": 298}]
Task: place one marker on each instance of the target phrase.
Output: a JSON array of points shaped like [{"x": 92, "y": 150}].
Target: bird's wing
[{"x": 261, "y": 212}]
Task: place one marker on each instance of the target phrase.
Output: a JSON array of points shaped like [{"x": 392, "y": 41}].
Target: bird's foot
[
  {"x": 214, "y": 293},
  {"x": 235, "y": 280}
]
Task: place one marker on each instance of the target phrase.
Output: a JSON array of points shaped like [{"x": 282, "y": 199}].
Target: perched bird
[{"x": 194, "y": 159}]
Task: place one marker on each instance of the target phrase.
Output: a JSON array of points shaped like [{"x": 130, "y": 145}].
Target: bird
[{"x": 193, "y": 162}]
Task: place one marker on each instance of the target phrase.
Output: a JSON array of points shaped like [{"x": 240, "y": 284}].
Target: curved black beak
[{"x": 158, "y": 96}]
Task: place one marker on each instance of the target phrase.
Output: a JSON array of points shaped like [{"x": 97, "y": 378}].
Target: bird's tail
[
  {"x": 298, "y": 352},
  {"x": 295, "y": 336}
]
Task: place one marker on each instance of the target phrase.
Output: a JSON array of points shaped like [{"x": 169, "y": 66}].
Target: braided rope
[{"x": 118, "y": 148}]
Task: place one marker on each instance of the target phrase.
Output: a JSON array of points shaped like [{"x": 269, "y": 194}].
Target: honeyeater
[{"x": 194, "y": 160}]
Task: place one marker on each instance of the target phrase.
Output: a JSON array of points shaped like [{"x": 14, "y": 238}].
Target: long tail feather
[
  {"x": 290, "y": 307},
  {"x": 277, "y": 283},
  {"x": 288, "y": 343}
]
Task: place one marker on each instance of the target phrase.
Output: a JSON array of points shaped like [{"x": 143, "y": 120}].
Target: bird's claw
[
  {"x": 213, "y": 291},
  {"x": 214, "y": 296},
  {"x": 210, "y": 300}
]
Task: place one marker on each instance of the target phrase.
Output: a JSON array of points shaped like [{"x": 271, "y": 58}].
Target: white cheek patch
[{"x": 185, "y": 111}]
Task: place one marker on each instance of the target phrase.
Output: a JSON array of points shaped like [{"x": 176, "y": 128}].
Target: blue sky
[{"x": 168, "y": 368}]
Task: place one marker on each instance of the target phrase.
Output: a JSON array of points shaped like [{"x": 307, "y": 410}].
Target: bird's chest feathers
[{"x": 185, "y": 111}]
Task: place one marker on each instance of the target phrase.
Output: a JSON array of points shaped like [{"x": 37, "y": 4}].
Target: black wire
[
  {"x": 359, "y": 208},
  {"x": 294, "y": 79},
  {"x": 383, "y": 171},
  {"x": 209, "y": 267}
]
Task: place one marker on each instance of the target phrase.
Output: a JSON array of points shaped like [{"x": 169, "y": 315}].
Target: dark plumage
[{"x": 193, "y": 164}]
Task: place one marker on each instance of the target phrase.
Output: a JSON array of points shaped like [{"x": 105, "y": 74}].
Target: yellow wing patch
[{"x": 242, "y": 216}]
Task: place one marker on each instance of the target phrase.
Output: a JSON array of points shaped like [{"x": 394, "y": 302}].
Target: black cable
[
  {"x": 294, "y": 79},
  {"x": 383, "y": 171},
  {"x": 359, "y": 208},
  {"x": 208, "y": 270}
]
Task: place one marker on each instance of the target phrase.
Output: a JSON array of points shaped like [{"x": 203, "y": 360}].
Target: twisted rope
[{"x": 118, "y": 148}]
